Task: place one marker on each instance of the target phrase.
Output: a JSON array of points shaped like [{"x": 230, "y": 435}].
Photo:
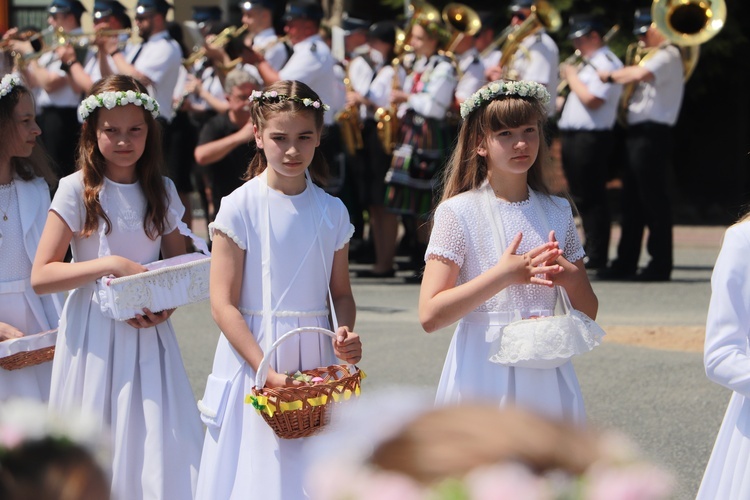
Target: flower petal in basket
[
  {"x": 29, "y": 350},
  {"x": 167, "y": 284},
  {"x": 301, "y": 411}
]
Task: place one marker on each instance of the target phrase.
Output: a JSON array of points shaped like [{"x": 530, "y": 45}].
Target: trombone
[{"x": 577, "y": 58}]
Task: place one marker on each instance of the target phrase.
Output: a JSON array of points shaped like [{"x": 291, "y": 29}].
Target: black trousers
[
  {"x": 60, "y": 133},
  {"x": 585, "y": 156},
  {"x": 646, "y": 199}
]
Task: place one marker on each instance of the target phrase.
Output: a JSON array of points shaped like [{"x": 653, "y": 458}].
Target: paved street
[{"x": 660, "y": 398}]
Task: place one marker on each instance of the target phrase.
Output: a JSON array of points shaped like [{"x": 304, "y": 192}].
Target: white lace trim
[
  {"x": 213, "y": 227},
  {"x": 349, "y": 235},
  {"x": 462, "y": 234}
]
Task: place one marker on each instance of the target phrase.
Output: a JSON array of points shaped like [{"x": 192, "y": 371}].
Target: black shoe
[
  {"x": 594, "y": 264},
  {"x": 652, "y": 275},
  {"x": 369, "y": 273},
  {"x": 414, "y": 278},
  {"x": 615, "y": 274}
]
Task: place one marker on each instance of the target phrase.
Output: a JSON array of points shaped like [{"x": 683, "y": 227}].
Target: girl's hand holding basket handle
[
  {"x": 276, "y": 379},
  {"x": 535, "y": 266},
  {"x": 120, "y": 266},
  {"x": 347, "y": 345}
]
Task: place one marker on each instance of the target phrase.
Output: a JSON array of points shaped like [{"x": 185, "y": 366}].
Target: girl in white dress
[
  {"x": 728, "y": 363},
  {"x": 279, "y": 216},
  {"x": 493, "y": 193},
  {"x": 117, "y": 213},
  {"x": 24, "y": 200}
]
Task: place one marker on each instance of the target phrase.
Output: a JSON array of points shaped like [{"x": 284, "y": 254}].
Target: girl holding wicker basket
[
  {"x": 280, "y": 260},
  {"x": 25, "y": 181},
  {"x": 500, "y": 242},
  {"x": 118, "y": 213}
]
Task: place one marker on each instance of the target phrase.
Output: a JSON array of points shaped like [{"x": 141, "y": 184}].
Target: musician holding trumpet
[
  {"x": 652, "y": 112},
  {"x": 587, "y": 131}
]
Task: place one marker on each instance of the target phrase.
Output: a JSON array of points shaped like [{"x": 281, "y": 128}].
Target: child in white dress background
[
  {"x": 728, "y": 363},
  {"x": 25, "y": 179},
  {"x": 494, "y": 179},
  {"x": 282, "y": 216},
  {"x": 129, "y": 374}
]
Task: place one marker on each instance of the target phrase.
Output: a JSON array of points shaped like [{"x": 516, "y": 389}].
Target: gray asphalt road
[{"x": 661, "y": 399}]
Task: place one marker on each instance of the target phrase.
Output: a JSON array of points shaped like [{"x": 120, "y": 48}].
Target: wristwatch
[{"x": 65, "y": 66}]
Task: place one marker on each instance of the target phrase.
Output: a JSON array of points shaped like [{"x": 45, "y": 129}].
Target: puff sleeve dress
[
  {"x": 242, "y": 457},
  {"x": 132, "y": 379},
  {"x": 462, "y": 234}
]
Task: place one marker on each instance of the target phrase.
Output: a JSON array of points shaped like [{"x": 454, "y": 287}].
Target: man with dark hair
[
  {"x": 58, "y": 96},
  {"x": 587, "y": 132},
  {"x": 657, "y": 84},
  {"x": 258, "y": 16}
]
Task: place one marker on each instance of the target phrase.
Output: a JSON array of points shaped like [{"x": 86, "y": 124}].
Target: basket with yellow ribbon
[{"x": 300, "y": 411}]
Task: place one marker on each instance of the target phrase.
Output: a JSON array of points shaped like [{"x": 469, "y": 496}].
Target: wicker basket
[
  {"x": 28, "y": 351},
  {"x": 301, "y": 411}
]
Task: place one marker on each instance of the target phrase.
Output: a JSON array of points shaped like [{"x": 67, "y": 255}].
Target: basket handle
[{"x": 262, "y": 373}]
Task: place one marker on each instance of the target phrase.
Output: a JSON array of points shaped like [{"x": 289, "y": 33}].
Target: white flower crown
[
  {"x": 120, "y": 98},
  {"x": 501, "y": 88},
  {"x": 7, "y": 84},
  {"x": 273, "y": 96}
]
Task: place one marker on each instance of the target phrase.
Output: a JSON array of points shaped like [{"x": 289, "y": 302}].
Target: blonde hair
[{"x": 467, "y": 169}]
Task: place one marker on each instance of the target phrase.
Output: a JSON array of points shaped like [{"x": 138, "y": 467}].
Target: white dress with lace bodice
[{"x": 463, "y": 233}]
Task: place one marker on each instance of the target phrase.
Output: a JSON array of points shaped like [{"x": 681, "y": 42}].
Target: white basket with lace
[{"x": 167, "y": 284}]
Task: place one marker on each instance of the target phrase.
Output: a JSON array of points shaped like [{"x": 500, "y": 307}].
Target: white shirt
[
  {"x": 159, "y": 60},
  {"x": 576, "y": 116},
  {"x": 312, "y": 64},
  {"x": 492, "y": 59},
  {"x": 539, "y": 63},
  {"x": 373, "y": 79},
  {"x": 275, "y": 53},
  {"x": 65, "y": 96},
  {"x": 472, "y": 74},
  {"x": 432, "y": 96},
  {"x": 660, "y": 99}
]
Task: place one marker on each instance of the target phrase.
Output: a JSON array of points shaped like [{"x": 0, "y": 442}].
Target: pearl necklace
[{"x": 9, "y": 188}]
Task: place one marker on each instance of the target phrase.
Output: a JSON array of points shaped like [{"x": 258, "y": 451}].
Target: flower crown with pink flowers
[{"x": 273, "y": 96}]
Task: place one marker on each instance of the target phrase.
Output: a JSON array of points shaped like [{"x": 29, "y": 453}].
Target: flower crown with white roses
[
  {"x": 119, "y": 98},
  {"x": 7, "y": 84},
  {"x": 273, "y": 96},
  {"x": 501, "y": 88}
]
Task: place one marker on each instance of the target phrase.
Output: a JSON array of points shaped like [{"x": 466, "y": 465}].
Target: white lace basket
[
  {"x": 167, "y": 284},
  {"x": 547, "y": 341}
]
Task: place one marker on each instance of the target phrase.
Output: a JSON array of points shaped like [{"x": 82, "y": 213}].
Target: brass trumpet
[{"x": 223, "y": 38}]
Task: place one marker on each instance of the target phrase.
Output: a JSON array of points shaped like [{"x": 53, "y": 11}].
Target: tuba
[
  {"x": 543, "y": 16},
  {"x": 462, "y": 21},
  {"x": 685, "y": 23}
]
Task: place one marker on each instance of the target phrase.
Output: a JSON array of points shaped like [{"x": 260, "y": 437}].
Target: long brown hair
[
  {"x": 467, "y": 169},
  {"x": 36, "y": 165},
  {"x": 147, "y": 170},
  {"x": 262, "y": 111}
]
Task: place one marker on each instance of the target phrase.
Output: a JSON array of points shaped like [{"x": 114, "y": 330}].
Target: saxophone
[
  {"x": 349, "y": 124},
  {"x": 386, "y": 118}
]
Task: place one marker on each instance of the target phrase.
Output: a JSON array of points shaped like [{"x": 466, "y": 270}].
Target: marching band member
[
  {"x": 258, "y": 16},
  {"x": 373, "y": 76},
  {"x": 470, "y": 69},
  {"x": 652, "y": 114},
  {"x": 424, "y": 138},
  {"x": 586, "y": 132},
  {"x": 59, "y": 97},
  {"x": 485, "y": 37},
  {"x": 537, "y": 60},
  {"x": 106, "y": 15}
]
